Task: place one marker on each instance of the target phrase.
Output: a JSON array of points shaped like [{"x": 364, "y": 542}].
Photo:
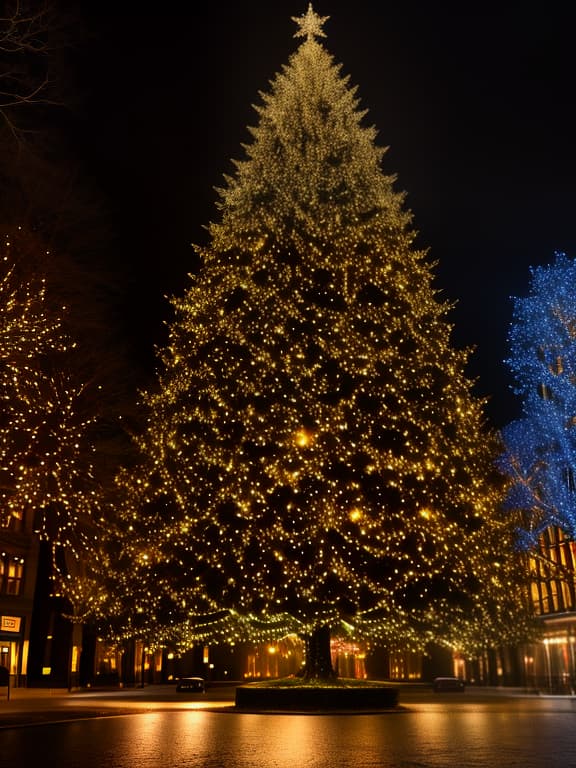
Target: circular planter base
[{"x": 260, "y": 698}]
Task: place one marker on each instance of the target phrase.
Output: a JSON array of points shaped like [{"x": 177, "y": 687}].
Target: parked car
[
  {"x": 441, "y": 684},
  {"x": 190, "y": 685}
]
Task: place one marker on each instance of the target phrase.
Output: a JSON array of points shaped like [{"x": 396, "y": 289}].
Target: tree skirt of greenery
[{"x": 295, "y": 694}]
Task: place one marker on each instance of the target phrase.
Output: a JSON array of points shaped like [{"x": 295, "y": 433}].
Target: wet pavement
[
  {"x": 156, "y": 728},
  {"x": 26, "y": 706}
]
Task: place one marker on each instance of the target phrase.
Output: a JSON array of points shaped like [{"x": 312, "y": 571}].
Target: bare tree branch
[
  {"x": 26, "y": 33},
  {"x": 25, "y": 27}
]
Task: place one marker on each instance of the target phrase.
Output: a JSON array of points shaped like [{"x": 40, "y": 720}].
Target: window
[
  {"x": 553, "y": 571},
  {"x": 11, "y": 574}
]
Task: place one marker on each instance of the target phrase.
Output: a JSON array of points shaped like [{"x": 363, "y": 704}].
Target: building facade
[
  {"x": 19, "y": 549},
  {"x": 550, "y": 664}
]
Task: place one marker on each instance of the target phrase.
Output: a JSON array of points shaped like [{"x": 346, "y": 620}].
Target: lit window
[{"x": 11, "y": 575}]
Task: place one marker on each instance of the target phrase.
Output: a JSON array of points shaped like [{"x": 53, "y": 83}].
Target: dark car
[
  {"x": 441, "y": 684},
  {"x": 190, "y": 685}
]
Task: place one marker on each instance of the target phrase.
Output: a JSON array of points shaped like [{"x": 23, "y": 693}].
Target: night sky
[{"x": 475, "y": 105}]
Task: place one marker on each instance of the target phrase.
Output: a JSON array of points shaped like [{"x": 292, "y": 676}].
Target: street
[{"x": 156, "y": 728}]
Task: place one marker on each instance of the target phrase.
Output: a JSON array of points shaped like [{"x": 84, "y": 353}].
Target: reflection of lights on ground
[
  {"x": 152, "y": 706},
  {"x": 138, "y": 700}
]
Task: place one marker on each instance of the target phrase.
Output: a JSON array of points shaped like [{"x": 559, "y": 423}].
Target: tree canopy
[
  {"x": 65, "y": 382},
  {"x": 540, "y": 448}
]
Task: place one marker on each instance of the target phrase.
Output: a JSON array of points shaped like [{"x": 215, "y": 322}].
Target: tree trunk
[{"x": 318, "y": 661}]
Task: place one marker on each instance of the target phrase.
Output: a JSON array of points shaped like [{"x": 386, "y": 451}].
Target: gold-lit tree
[
  {"x": 66, "y": 382},
  {"x": 45, "y": 451},
  {"x": 314, "y": 458}
]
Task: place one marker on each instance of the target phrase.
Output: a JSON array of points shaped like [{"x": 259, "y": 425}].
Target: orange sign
[{"x": 10, "y": 623}]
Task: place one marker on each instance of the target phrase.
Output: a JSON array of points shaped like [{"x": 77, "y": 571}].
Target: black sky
[{"x": 474, "y": 102}]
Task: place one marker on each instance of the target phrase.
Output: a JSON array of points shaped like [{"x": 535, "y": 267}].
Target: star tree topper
[{"x": 310, "y": 24}]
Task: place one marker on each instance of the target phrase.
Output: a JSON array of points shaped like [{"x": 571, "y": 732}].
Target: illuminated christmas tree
[
  {"x": 314, "y": 458},
  {"x": 540, "y": 448}
]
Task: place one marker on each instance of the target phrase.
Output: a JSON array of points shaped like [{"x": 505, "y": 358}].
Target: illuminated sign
[{"x": 10, "y": 623}]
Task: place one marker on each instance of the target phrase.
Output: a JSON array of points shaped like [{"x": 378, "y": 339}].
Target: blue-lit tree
[{"x": 540, "y": 448}]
